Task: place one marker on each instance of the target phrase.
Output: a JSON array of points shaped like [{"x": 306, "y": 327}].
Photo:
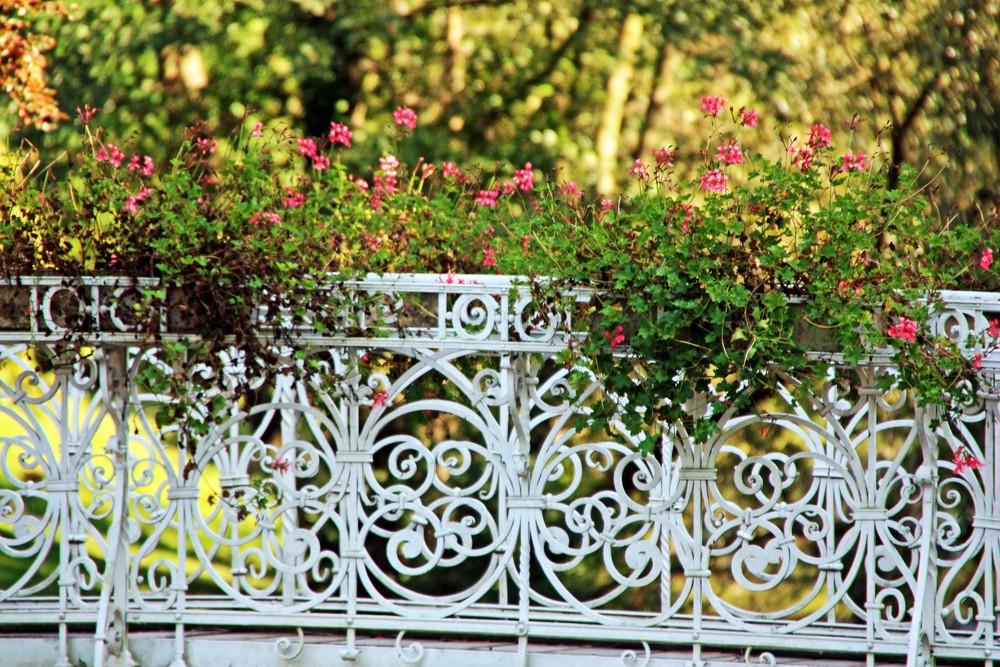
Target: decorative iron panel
[{"x": 448, "y": 485}]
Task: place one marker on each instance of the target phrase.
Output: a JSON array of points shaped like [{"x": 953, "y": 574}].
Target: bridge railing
[{"x": 448, "y": 486}]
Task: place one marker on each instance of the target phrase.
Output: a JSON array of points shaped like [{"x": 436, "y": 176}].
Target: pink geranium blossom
[
  {"x": 570, "y": 190},
  {"x": 110, "y": 154},
  {"x": 524, "y": 179},
  {"x": 293, "y": 198},
  {"x": 664, "y": 157},
  {"x": 904, "y": 329},
  {"x": 729, "y": 152},
  {"x": 489, "y": 256},
  {"x": 639, "y": 170},
  {"x": 802, "y": 156},
  {"x": 145, "y": 166},
  {"x": 340, "y": 134},
  {"x": 986, "y": 259},
  {"x": 748, "y": 118},
  {"x": 819, "y": 136},
  {"x": 713, "y": 105},
  {"x": 207, "y": 146},
  {"x": 389, "y": 164},
  {"x": 261, "y": 218},
  {"x": 379, "y": 398},
  {"x": 714, "y": 181},
  {"x": 615, "y": 337},
  {"x": 965, "y": 460},
  {"x": 488, "y": 198},
  {"x": 257, "y": 129},
  {"x": 308, "y": 148},
  {"x": 405, "y": 117},
  {"x": 854, "y": 161}
]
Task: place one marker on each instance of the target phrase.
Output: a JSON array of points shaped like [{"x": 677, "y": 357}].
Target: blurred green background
[{"x": 582, "y": 86}]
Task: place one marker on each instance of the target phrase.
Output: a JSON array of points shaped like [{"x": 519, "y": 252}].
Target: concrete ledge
[{"x": 220, "y": 648}]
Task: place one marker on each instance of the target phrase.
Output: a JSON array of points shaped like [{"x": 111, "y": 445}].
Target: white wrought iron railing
[{"x": 471, "y": 503}]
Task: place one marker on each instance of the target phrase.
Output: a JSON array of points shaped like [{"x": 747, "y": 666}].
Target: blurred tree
[
  {"x": 581, "y": 86},
  {"x": 926, "y": 70}
]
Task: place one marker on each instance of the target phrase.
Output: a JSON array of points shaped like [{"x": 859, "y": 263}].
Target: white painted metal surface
[{"x": 834, "y": 525}]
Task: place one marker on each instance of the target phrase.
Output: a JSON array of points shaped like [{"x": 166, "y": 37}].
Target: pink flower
[
  {"x": 507, "y": 189},
  {"x": 854, "y": 161},
  {"x": 281, "y": 464},
  {"x": 307, "y": 147},
  {"x": 131, "y": 206},
  {"x": 388, "y": 164},
  {"x": 819, "y": 136},
  {"x": 607, "y": 205},
  {"x": 615, "y": 338},
  {"x": 373, "y": 241},
  {"x": 904, "y": 329},
  {"x": 986, "y": 259},
  {"x": 977, "y": 361},
  {"x": 257, "y": 127},
  {"x": 713, "y": 105},
  {"x": 729, "y": 153},
  {"x": 802, "y": 156},
  {"x": 340, "y": 134},
  {"x": 748, "y": 118},
  {"x": 321, "y": 163},
  {"x": 146, "y": 167},
  {"x": 664, "y": 157},
  {"x": 427, "y": 170},
  {"x": 405, "y": 117},
  {"x": 489, "y": 256},
  {"x": 260, "y": 218},
  {"x": 524, "y": 179},
  {"x": 845, "y": 288},
  {"x": 361, "y": 183},
  {"x": 488, "y": 198},
  {"x": 714, "y": 181},
  {"x": 449, "y": 169},
  {"x": 639, "y": 170},
  {"x": 994, "y": 329},
  {"x": 964, "y": 460},
  {"x": 525, "y": 241},
  {"x": 293, "y": 198},
  {"x": 110, "y": 154},
  {"x": 379, "y": 398},
  {"x": 688, "y": 216},
  {"x": 571, "y": 190},
  {"x": 207, "y": 146}
]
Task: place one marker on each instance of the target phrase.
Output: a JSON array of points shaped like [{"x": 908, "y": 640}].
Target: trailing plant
[{"x": 714, "y": 286}]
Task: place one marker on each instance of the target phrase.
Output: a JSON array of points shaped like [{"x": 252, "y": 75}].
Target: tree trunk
[{"x": 619, "y": 84}]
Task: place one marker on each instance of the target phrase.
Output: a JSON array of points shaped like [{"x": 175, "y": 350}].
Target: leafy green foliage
[{"x": 758, "y": 266}]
